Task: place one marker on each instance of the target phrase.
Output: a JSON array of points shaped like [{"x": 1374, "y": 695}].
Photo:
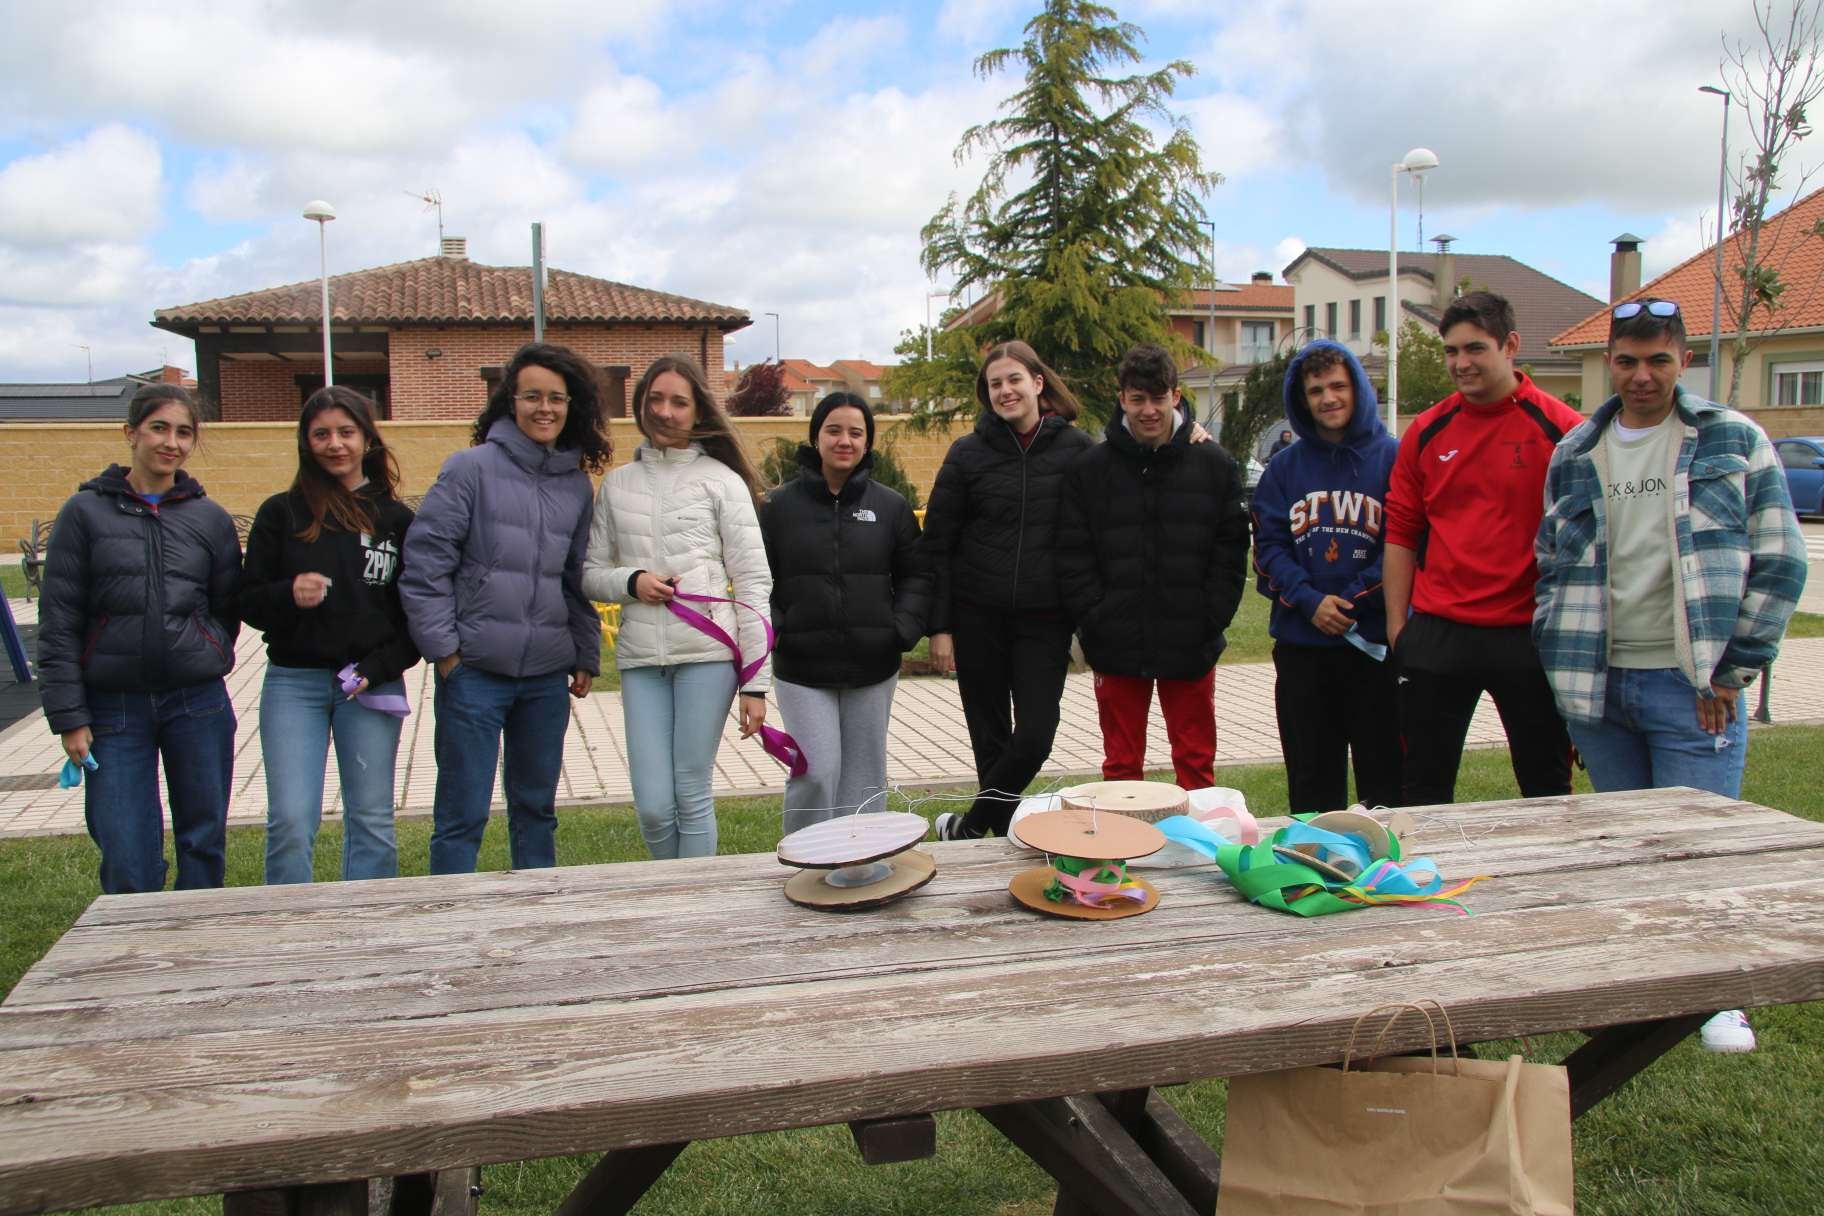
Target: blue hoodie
[{"x": 1319, "y": 522}]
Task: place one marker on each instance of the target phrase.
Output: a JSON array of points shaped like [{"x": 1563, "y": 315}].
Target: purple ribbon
[
  {"x": 393, "y": 703},
  {"x": 779, "y": 745}
]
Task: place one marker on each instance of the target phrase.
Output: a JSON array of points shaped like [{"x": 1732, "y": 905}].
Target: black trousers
[
  {"x": 1444, "y": 667},
  {"x": 1335, "y": 704},
  {"x": 1010, "y": 670}
]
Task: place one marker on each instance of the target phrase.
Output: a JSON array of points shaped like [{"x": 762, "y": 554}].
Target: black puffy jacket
[
  {"x": 137, "y": 598},
  {"x": 1152, "y": 553},
  {"x": 993, "y": 517},
  {"x": 851, "y": 586}
]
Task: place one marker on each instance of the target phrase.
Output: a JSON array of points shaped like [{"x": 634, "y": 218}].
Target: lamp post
[
  {"x": 775, "y": 317},
  {"x": 930, "y": 296},
  {"x": 1716, "y": 299},
  {"x": 321, "y": 212},
  {"x": 1416, "y": 162}
]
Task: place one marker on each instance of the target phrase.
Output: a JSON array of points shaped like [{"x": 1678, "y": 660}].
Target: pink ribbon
[
  {"x": 779, "y": 745},
  {"x": 393, "y": 703}
]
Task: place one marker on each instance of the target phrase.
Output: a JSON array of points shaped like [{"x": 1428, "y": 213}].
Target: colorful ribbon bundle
[
  {"x": 1094, "y": 884},
  {"x": 779, "y": 745},
  {"x": 393, "y": 703},
  {"x": 71, "y": 776},
  {"x": 1268, "y": 874}
]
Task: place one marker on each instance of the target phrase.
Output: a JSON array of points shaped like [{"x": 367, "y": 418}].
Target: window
[
  {"x": 1256, "y": 342},
  {"x": 1330, "y": 320},
  {"x": 1380, "y": 314},
  {"x": 1798, "y": 383},
  {"x": 1197, "y": 336},
  {"x": 1355, "y": 318},
  {"x": 1798, "y": 455},
  {"x": 874, "y": 391},
  {"x": 1311, "y": 318}
]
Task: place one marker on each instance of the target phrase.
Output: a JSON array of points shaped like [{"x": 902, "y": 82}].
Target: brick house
[{"x": 423, "y": 337}]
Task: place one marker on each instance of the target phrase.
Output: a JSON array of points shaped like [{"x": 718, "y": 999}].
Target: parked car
[{"x": 1803, "y": 457}]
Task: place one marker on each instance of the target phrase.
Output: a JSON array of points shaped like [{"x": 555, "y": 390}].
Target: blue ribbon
[{"x": 71, "y": 776}]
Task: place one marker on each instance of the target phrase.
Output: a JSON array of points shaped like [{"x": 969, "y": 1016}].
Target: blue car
[{"x": 1803, "y": 458}]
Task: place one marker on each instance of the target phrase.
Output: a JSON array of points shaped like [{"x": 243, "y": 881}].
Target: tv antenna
[{"x": 432, "y": 198}]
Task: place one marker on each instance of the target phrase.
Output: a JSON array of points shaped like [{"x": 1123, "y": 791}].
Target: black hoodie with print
[{"x": 360, "y": 621}]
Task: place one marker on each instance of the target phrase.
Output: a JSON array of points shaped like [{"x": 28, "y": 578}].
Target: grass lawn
[{"x": 1695, "y": 1134}]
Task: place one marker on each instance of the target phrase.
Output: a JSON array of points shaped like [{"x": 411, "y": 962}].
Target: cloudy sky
[{"x": 781, "y": 155}]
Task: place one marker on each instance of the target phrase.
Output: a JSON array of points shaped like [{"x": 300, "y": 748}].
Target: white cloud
[
  {"x": 101, "y": 187},
  {"x": 623, "y": 124},
  {"x": 973, "y": 21},
  {"x": 1678, "y": 238}
]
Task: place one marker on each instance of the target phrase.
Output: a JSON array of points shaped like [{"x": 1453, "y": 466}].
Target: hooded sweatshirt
[{"x": 1320, "y": 517}]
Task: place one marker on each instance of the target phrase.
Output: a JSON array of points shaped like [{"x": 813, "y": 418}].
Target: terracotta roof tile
[
  {"x": 441, "y": 290},
  {"x": 1542, "y": 305},
  {"x": 864, "y": 368},
  {"x": 1254, "y": 297},
  {"x": 804, "y": 369},
  {"x": 1788, "y": 245}
]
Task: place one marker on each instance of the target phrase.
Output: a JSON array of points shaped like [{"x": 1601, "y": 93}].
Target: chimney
[
  {"x": 171, "y": 375},
  {"x": 1263, "y": 277},
  {"x": 1444, "y": 273},
  {"x": 1624, "y": 267},
  {"x": 456, "y": 247}
]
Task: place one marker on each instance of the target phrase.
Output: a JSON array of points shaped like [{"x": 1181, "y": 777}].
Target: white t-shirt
[{"x": 1638, "y": 504}]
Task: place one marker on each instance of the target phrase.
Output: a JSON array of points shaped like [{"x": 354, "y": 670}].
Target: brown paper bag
[{"x": 1396, "y": 1138}]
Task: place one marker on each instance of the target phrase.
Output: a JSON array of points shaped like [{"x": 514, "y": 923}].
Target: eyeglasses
[
  {"x": 532, "y": 397},
  {"x": 1657, "y": 308}
]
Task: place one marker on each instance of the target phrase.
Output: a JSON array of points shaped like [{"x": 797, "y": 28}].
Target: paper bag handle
[{"x": 1400, "y": 1008}]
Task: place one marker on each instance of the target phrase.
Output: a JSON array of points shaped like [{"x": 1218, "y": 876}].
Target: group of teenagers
[{"x": 1612, "y": 583}]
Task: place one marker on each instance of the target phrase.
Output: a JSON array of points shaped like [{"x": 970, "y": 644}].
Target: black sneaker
[{"x": 949, "y": 826}]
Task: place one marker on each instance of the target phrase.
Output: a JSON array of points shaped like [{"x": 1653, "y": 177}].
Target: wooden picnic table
[{"x": 259, "y": 1039}]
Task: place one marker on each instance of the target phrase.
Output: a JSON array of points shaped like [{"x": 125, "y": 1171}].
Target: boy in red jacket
[{"x": 1462, "y": 510}]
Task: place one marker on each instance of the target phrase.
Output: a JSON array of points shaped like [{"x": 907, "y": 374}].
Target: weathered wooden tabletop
[{"x": 261, "y": 1036}]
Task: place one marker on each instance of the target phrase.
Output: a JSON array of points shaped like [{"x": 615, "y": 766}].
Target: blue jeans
[
  {"x": 476, "y": 710},
  {"x": 192, "y": 729},
  {"x": 674, "y": 718},
  {"x": 300, "y": 708},
  {"x": 1649, "y": 737}
]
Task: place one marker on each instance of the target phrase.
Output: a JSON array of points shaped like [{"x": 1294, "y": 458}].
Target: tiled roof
[
  {"x": 1542, "y": 305},
  {"x": 864, "y": 368},
  {"x": 1252, "y": 297},
  {"x": 439, "y": 290},
  {"x": 795, "y": 383},
  {"x": 1788, "y": 244},
  {"x": 804, "y": 369}
]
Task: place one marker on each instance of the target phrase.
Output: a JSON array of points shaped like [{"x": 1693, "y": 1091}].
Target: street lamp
[
  {"x": 321, "y": 212},
  {"x": 775, "y": 317},
  {"x": 930, "y": 296},
  {"x": 1416, "y": 162},
  {"x": 1716, "y": 299}
]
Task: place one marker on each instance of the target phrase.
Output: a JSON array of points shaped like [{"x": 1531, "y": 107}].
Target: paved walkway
[{"x": 927, "y": 741}]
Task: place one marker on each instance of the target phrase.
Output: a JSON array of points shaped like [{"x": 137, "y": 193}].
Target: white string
[{"x": 913, "y": 804}]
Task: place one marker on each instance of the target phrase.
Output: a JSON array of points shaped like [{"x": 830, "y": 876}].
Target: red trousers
[{"x": 1123, "y": 703}]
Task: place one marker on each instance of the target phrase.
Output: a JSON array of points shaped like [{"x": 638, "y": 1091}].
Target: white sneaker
[
  {"x": 945, "y": 825},
  {"x": 1728, "y": 1031}
]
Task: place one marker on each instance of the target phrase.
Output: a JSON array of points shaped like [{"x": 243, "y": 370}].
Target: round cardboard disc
[
  {"x": 1353, "y": 823},
  {"x": 1299, "y": 857},
  {"x": 1028, "y": 887},
  {"x": 1147, "y": 801},
  {"x": 911, "y": 870},
  {"x": 851, "y": 840},
  {"x": 1099, "y": 835}
]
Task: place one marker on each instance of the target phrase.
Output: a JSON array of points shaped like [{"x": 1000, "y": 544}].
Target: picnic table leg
[
  {"x": 440, "y": 1193},
  {"x": 1615, "y": 1054},
  {"x": 1175, "y": 1147},
  {"x": 619, "y": 1179},
  {"x": 1098, "y": 1165}
]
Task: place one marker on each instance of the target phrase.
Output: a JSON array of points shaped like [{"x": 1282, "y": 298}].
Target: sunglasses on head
[{"x": 1657, "y": 308}]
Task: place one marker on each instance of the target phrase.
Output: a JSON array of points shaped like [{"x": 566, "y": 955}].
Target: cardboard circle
[
  {"x": 851, "y": 840},
  {"x": 1299, "y": 857},
  {"x": 911, "y": 870},
  {"x": 1147, "y": 801},
  {"x": 1353, "y": 823},
  {"x": 1028, "y": 887},
  {"x": 1099, "y": 835}
]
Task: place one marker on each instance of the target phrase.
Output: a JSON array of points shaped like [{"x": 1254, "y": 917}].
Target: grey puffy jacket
[
  {"x": 493, "y": 562},
  {"x": 137, "y": 598}
]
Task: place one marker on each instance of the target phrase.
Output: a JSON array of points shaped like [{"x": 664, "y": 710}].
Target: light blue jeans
[
  {"x": 1649, "y": 737},
  {"x": 301, "y": 708},
  {"x": 674, "y": 718}
]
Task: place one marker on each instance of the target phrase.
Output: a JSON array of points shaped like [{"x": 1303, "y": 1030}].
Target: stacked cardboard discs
[{"x": 856, "y": 861}]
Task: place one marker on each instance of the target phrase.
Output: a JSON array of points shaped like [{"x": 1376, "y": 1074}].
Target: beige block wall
[{"x": 242, "y": 463}]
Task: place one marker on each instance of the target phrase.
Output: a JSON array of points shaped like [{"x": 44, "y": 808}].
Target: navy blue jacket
[{"x": 1319, "y": 514}]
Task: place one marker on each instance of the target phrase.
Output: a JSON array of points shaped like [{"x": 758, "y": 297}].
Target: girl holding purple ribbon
[
  {"x": 678, "y": 522},
  {"x": 322, "y": 580}
]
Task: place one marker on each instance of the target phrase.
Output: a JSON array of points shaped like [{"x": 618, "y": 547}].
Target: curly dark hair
[{"x": 584, "y": 426}]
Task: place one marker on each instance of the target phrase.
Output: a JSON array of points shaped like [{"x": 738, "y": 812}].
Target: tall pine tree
[{"x": 1087, "y": 225}]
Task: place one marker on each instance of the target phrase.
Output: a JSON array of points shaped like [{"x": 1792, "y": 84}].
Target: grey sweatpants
[{"x": 843, "y": 732}]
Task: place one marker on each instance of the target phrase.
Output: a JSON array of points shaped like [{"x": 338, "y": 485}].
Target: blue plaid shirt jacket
[{"x": 1740, "y": 557}]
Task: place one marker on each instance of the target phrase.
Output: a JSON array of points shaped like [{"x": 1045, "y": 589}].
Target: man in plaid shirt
[{"x": 1669, "y": 563}]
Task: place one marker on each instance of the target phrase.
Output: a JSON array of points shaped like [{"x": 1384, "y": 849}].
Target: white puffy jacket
[{"x": 679, "y": 512}]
